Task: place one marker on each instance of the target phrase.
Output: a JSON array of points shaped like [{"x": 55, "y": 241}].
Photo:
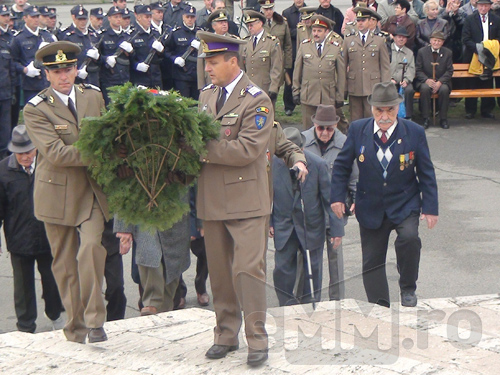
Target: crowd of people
[{"x": 258, "y": 180}]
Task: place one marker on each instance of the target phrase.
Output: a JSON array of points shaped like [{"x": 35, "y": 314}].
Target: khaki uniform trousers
[
  {"x": 235, "y": 254},
  {"x": 359, "y": 107},
  {"x": 307, "y": 112},
  {"x": 157, "y": 293},
  {"x": 78, "y": 268}
]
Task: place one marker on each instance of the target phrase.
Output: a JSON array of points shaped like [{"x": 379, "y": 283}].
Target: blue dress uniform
[
  {"x": 7, "y": 86},
  {"x": 24, "y": 46},
  {"x": 6, "y": 39},
  {"x": 142, "y": 44},
  {"x": 177, "y": 44},
  {"x": 120, "y": 73}
]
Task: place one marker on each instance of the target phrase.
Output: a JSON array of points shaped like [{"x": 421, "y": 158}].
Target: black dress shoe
[
  {"x": 257, "y": 358},
  {"x": 408, "y": 299},
  {"x": 469, "y": 116},
  {"x": 288, "y": 112},
  {"x": 220, "y": 351},
  {"x": 444, "y": 124},
  {"x": 427, "y": 123},
  {"x": 97, "y": 335},
  {"x": 487, "y": 115}
]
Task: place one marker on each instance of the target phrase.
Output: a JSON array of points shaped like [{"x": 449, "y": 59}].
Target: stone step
[{"x": 440, "y": 336}]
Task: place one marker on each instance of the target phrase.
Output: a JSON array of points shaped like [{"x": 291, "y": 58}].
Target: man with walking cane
[
  {"x": 434, "y": 69},
  {"x": 298, "y": 221},
  {"x": 397, "y": 185}
]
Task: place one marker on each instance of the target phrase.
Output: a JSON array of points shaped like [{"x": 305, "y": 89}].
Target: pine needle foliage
[{"x": 153, "y": 126}]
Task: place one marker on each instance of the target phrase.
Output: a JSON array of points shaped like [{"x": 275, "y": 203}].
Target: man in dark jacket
[
  {"x": 25, "y": 235},
  {"x": 329, "y": 11}
]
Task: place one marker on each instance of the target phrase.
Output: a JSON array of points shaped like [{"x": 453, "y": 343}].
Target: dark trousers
[
  {"x": 285, "y": 272},
  {"x": 200, "y": 281},
  {"x": 374, "y": 244},
  {"x": 5, "y": 127},
  {"x": 23, "y": 267},
  {"x": 443, "y": 101},
  {"x": 113, "y": 274},
  {"x": 188, "y": 89},
  {"x": 487, "y": 104},
  {"x": 287, "y": 94}
]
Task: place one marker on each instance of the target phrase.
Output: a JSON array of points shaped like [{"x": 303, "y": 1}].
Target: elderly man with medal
[{"x": 397, "y": 187}]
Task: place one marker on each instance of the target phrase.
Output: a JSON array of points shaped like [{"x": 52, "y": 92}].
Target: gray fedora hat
[
  {"x": 20, "y": 142},
  {"x": 384, "y": 94},
  {"x": 326, "y": 115},
  {"x": 293, "y": 134}
]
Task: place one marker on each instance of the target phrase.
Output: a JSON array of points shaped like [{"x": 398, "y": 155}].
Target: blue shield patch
[{"x": 260, "y": 121}]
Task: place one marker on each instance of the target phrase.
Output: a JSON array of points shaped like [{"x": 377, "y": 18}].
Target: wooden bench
[{"x": 462, "y": 71}]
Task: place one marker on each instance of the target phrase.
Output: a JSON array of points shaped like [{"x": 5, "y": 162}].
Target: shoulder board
[
  {"x": 104, "y": 30},
  {"x": 335, "y": 43},
  {"x": 350, "y": 23},
  {"x": 352, "y": 34},
  {"x": 70, "y": 33},
  {"x": 253, "y": 90},
  {"x": 306, "y": 41},
  {"x": 273, "y": 37},
  {"x": 37, "y": 99},
  {"x": 90, "y": 86},
  {"x": 63, "y": 28},
  {"x": 15, "y": 32},
  {"x": 208, "y": 87},
  {"x": 176, "y": 28},
  {"x": 284, "y": 18},
  {"x": 301, "y": 26},
  {"x": 275, "y": 124},
  {"x": 247, "y": 37},
  {"x": 382, "y": 34},
  {"x": 335, "y": 35}
]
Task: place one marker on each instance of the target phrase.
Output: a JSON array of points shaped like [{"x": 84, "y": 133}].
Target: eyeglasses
[{"x": 329, "y": 129}]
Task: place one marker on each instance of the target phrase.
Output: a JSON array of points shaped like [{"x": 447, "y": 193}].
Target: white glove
[
  {"x": 126, "y": 46},
  {"x": 93, "y": 53},
  {"x": 142, "y": 67},
  {"x": 195, "y": 44},
  {"x": 111, "y": 61},
  {"x": 32, "y": 71},
  {"x": 82, "y": 73},
  {"x": 180, "y": 61},
  {"x": 158, "y": 46},
  {"x": 43, "y": 44}
]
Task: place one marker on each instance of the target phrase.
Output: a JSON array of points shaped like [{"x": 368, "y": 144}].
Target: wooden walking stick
[{"x": 432, "y": 95}]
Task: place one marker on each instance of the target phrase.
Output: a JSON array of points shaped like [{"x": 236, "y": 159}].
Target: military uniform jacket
[
  {"x": 319, "y": 80},
  {"x": 264, "y": 65},
  {"x": 303, "y": 33},
  {"x": 366, "y": 65},
  {"x": 7, "y": 68},
  {"x": 142, "y": 43},
  {"x": 233, "y": 183},
  {"x": 397, "y": 58},
  {"x": 64, "y": 191},
  {"x": 24, "y": 46},
  {"x": 120, "y": 73},
  {"x": 292, "y": 16},
  {"x": 279, "y": 28},
  {"x": 178, "y": 42}
]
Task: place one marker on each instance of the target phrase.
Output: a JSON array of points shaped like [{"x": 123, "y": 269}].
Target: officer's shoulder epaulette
[
  {"x": 335, "y": 43},
  {"x": 15, "y": 32},
  {"x": 90, "y": 86},
  {"x": 208, "y": 87},
  {"x": 301, "y": 26},
  {"x": 233, "y": 36},
  {"x": 253, "y": 90},
  {"x": 275, "y": 124},
  {"x": 273, "y": 37},
  {"x": 247, "y": 37},
  {"x": 350, "y": 23},
  {"x": 335, "y": 35},
  {"x": 383, "y": 34},
  {"x": 104, "y": 30},
  {"x": 176, "y": 28},
  {"x": 37, "y": 99},
  {"x": 63, "y": 29},
  {"x": 352, "y": 34},
  {"x": 306, "y": 41},
  {"x": 70, "y": 32}
]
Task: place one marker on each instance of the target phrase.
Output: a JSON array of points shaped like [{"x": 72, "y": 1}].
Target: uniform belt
[
  {"x": 92, "y": 68},
  {"x": 123, "y": 61},
  {"x": 192, "y": 59}
]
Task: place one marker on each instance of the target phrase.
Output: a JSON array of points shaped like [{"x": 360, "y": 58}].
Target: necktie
[
  {"x": 221, "y": 100},
  {"x": 28, "y": 170},
  {"x": 484, "y": 18},
  {"x": 269, "y": 23},
  {"x": 72, "y": 108},
  {"x": 254, "y": 42},
  {"x": 319, "y": 50},
  {"x": 363, "y": 40},
  {"x": 383, "y": 137}
]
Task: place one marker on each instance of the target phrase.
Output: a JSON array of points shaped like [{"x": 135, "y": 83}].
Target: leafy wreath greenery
[{"x": 155, "y": 127}]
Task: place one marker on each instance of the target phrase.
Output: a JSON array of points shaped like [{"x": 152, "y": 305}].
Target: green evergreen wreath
[{"x": 159, "y": 129}]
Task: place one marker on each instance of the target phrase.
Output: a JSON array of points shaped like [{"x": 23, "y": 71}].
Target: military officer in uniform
[
  {"x": 24, "y": 46},
  {"x": 69, "y": 201},
  {"x": 304, "y": 30},
  {"x": 233, "y": 199},
  {"x": 96, "y": 20},
  {"x": 367, "y": 61},
  {"x": 146, "y": 73},
  {"x": 319, "y": 72},
  {"x": 7, "y": 84},
  {"x": 181, "y": 41},
  {"x": 276, "y": 25},
  {"x": 80, "y": 34},
  {"x": 115, "y": 53},
  {"x": 262, "y": 55}
]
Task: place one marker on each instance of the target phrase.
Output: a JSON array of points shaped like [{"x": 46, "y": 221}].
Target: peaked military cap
[
  {"x": 157, "y": 5},
  {"x": 44, "y": 11},
  {"x": 218, "y": 15},
  {"x": 142, "y": 9},
  {"x": 31, "y": 11},
  {"x": 52, "y": 12},
  {"x": 114, "y": 10},
  {"x": 4, "y": 10},
  {"x": 190, "y": 11},
  {"x": 57, "y": 55},
  {"x": 213, "y": 44},
  {"x": 307, "y": 12},
  {"x": 250, "y": 16},
  {"x": 266, "y": 4},
  {"x": 97, "y": 12},
  {"x": 79, "y": 12},
  {"x": 321, "y": 21}
]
